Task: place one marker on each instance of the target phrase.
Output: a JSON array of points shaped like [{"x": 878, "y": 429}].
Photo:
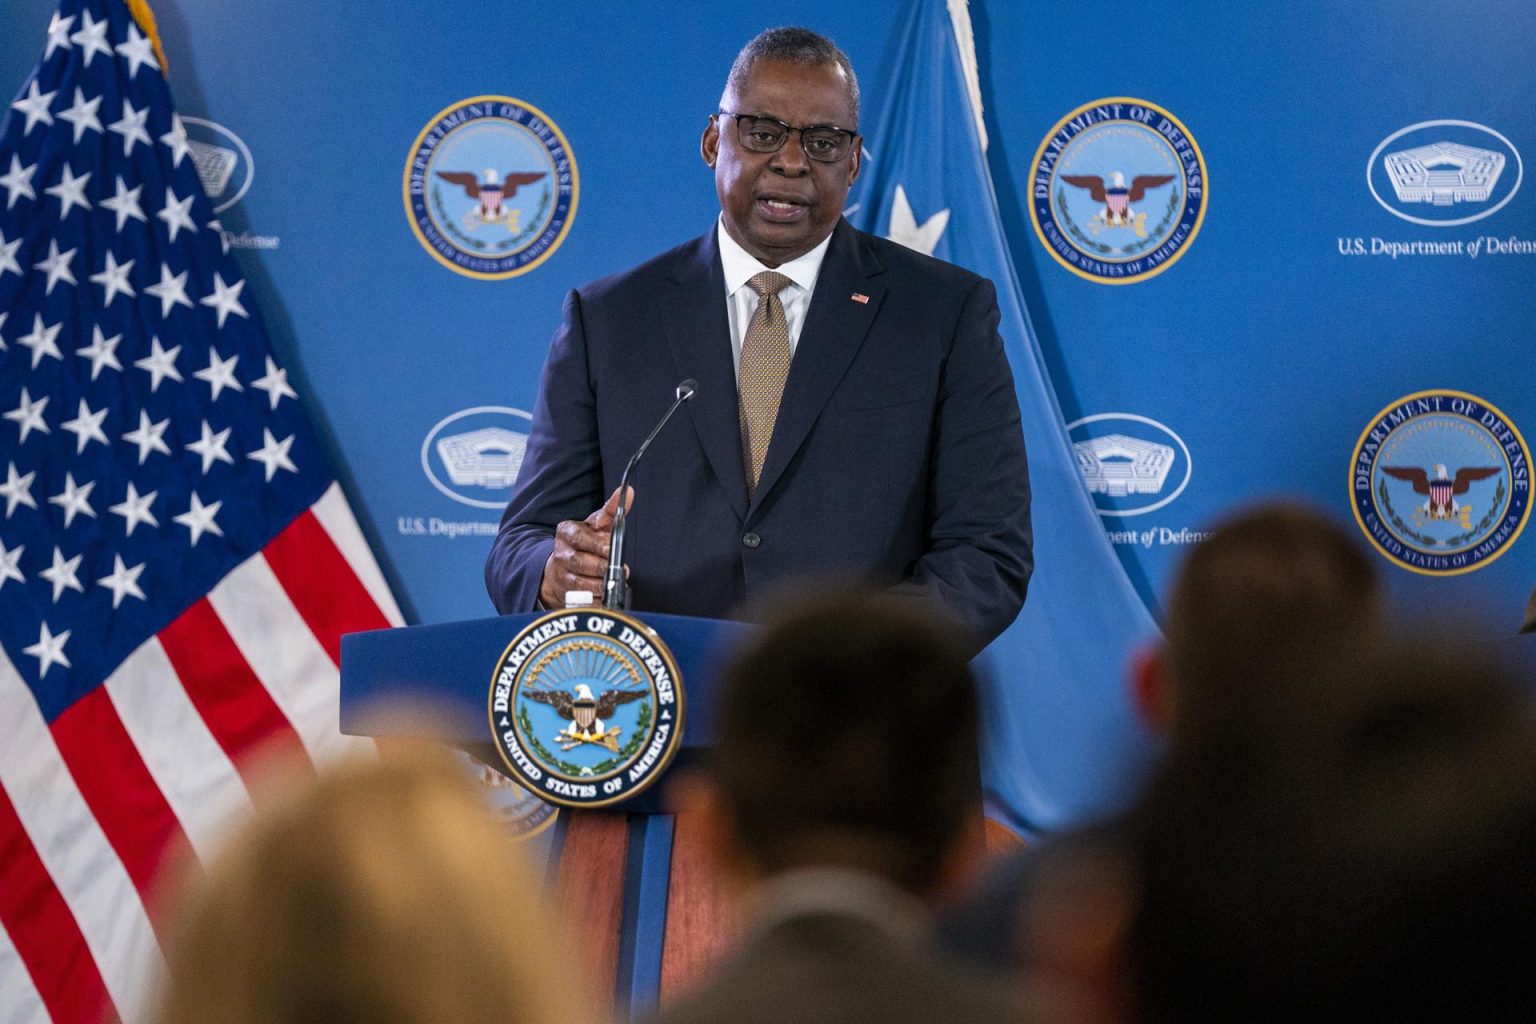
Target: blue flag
[{"x": 1060, "y": 740}]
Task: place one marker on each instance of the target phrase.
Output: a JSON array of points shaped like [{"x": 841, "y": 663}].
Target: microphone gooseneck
[{"x": 615, "y": 585}]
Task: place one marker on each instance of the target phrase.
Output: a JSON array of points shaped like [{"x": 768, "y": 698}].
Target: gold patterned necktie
[{"x": 764, "y": 368}]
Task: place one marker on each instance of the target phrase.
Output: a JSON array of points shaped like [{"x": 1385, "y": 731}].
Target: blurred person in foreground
[
  {"x": 1268, "y": 577},
  {"x": 843, "y": 797},
  {"x": 1355, "y": 842},
  {"x": 384, "y": 893}
]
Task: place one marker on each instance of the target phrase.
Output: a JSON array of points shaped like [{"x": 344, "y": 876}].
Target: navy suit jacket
[{"x": 897, "y": 457}]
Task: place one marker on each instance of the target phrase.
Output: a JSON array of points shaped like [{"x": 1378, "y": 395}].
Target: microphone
[{"x": 615, "y": 585}]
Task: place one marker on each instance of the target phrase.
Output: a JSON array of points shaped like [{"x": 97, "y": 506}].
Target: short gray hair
[{"x": 793, "y": 46}]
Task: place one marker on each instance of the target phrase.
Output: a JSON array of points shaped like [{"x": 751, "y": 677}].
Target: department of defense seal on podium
[{"x": 586, "y": 707}]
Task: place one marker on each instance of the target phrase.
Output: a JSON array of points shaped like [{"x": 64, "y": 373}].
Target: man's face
[{"x": 780, "y": 205}]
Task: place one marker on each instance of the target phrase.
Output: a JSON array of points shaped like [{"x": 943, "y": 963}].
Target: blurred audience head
[
  {"x": 384, "y": 892},
  {"x": 847, "y": 737},
  {"x": 1354, "y": 840},
  {"x": 1266, "y": 578}
]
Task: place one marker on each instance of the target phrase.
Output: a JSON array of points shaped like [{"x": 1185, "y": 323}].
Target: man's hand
[{"x": 580, "y": 557}]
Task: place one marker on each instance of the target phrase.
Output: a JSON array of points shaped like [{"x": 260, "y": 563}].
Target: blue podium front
[{"x": 646, "y": 905}]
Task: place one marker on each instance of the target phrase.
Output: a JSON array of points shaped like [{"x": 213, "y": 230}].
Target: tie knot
[{"x": 769, "y": 282}]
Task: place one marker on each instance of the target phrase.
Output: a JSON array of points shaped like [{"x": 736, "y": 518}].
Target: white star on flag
[
  {"x": 8, "y": 256},
  {"x": 210, "y": 447},
  {"x": 10, "y": 562},
  {"x": 125, "y": 203},
  {"x": 74, "y": 499},
  {"x": 70, "y": 191},
  {"x": 139, "y": 50},
  {"x": 273, "y": 454},
  {"x": 43, "y": 341},
  {"x": 114, "y": 278},
  {"x": 102, "y": 351},
  {"x": 62, "y": 574},
  {"x": 176, "y": 139},
  {"x": 56, "y": 266},
  {"x": 150, "y": 437},
  {"x": 199, "y": 519},
  {"x": 904, "y": 228},
  {"x": 160, "y": 363},
  {"x": 225, "y": 299},
  {"x": 122, "y": 581},
  {"x": 275, "y": 383},
  {"x": 171, "y": 291},
  {"x": 86, "y": 426},
  {"x": 18, "y": 182},
  {"x": 58, "y": 34},
  {"x": 29, "y": 415},
  {"x": 17, "y": 489},
  {"x": 219, "y": 373},
  {"x": 49, "y": 650},
  {"x": 131, "y": 127},
  {"x": 135, "y": 508},
  {"x": 93, "y": 37},
  {"x": 82, "y": 114},
  {"x": 177, "y": 213},
  {"x": 35, "y": 106}
]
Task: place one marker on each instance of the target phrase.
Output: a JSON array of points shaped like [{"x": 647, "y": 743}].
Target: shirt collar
[
  {"x": 840, "y": 891},
  {"x": 741, "y": 266}
]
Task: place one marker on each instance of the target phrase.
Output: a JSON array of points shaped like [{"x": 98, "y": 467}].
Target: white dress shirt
[{"x": 741, "y": 302}]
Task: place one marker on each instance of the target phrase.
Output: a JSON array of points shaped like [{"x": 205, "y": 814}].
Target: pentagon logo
[
  {"x": 473, "y": 455},
  {"x": 1444, "y": 173},
  {"x": 1130, "y": 464}
]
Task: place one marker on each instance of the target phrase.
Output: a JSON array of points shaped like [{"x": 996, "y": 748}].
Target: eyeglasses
[{"x": 823, "y": 143}]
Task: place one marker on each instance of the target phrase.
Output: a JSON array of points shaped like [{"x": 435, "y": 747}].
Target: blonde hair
[{"x": 383, "y": 892}]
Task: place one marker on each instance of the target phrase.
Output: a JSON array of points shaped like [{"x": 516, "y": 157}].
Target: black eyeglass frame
[{"x": 743, "y": 119}]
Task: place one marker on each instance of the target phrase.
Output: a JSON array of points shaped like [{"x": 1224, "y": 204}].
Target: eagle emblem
[
  {"x": 586, "y": 707},
  {"x": 586, "y": 713},
  {"x": 1440, "y": 493},
  {"x": 1117, "y": 198},
  {"x": 491, "y": 193}
]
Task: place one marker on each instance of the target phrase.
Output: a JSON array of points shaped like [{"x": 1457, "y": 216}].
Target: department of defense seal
[
  {"x": 586, "y": 707},
  {"x": 522, "y": 814},
  {"x": 1441, "y": 482},
  {"x": 490, "y": 187},
  {"x": 1118, "y": 190}
]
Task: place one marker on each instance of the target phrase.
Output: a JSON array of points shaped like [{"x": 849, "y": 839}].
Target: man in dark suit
[
  {"x": 842, "y": 801},
  {"x": 875, "y": 431}
]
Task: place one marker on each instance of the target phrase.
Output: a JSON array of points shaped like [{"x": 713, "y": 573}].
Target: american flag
[{"x": 176, "y": 563}]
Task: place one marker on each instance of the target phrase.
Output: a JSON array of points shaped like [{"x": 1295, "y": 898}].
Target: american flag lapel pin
[{"x": 860, "y": 298}]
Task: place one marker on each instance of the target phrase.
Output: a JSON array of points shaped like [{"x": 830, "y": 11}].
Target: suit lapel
[
  {"x": 699, "y": 333},
  {"x": 835, "y": 327}
]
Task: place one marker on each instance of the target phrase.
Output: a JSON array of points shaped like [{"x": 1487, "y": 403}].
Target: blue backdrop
[{"x": 1307, "y": 303}]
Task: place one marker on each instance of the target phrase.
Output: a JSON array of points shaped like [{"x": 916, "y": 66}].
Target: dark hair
[
  {"x": 1266, "y": 578},
  {"x": 1356, "y": 843},
  {"x": 794, "y": 46},
  {"x": 850, "y": 723}
]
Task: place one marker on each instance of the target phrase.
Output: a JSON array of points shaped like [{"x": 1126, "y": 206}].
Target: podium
[{"x": 631, "y": 880}]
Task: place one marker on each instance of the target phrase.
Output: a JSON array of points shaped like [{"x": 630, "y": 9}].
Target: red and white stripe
[{"x": 155, "y": 763}]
